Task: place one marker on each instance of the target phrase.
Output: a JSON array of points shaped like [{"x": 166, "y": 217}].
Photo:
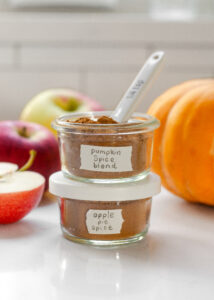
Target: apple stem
[
  {"x": 30, "y": 161},
  {"x": 23, "y": 132}
]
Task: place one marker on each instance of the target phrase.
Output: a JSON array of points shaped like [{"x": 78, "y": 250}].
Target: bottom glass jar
[{"x": 104, "y": 214}]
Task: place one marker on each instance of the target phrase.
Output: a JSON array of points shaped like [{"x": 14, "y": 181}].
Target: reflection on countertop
[{"x": 174, "y": 261}]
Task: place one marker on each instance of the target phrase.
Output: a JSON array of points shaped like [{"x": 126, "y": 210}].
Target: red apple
[
  {"x": 20, "y": 192},
  {"x": 17, "y": 138}
]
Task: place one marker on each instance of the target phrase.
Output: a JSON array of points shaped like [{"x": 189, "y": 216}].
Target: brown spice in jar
[
  {"x": 70, "y": 144},
  {"x": 135, "y": 213},
  {"x": 100, "y": 120}
]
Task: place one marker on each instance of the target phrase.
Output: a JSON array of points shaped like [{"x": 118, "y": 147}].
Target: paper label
[
  {"x": 106, "y": 159},
  {"x": 104, "y": 221}
]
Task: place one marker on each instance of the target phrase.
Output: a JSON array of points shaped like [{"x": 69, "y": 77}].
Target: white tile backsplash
[
  {"x": 94, "y": 28},
  {"x": 96, "y": 54},
  {"x": 18, "y": 87},
  {"x": 7, "y": 55},
  {"x": 192, "y": 58},
  {"x": 108, "y": 87},
  {"x": 81, "y": 56}
]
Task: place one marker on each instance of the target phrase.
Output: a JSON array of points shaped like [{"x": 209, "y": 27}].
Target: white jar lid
[{"x": 72, "y": 189}]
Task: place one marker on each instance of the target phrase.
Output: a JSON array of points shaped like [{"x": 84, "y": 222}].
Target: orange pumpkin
[{"x": 184, "y": 144}]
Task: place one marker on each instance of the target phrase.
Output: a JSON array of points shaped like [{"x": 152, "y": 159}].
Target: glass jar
[
  {"x": 104, "y": 214},
  {"x": 105, "y": 153}
]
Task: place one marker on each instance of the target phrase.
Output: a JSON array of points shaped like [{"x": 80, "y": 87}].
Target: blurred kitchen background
[{"x": 98, "y": 46}]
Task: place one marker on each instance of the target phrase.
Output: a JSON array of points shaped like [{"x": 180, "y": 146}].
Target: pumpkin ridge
[
  {"x": 174, "y": 169},
  {"x": 156, "y": 109},
  {"x": 159, "y": 134},
  {"x": 184, "y": 144},
  {"x": 199, "y": 177},
  {"x": 186, "y": 137}
]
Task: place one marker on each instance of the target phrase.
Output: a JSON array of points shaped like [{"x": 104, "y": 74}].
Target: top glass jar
[{"x": 105, "y": 152}]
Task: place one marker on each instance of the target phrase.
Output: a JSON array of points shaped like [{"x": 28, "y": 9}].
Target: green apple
[{"x": 50, "y": 104}]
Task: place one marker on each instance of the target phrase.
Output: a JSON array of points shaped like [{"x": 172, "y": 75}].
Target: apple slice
[
  {"x": 7, "y": 169},
  {"x": 19, "y": 194}
]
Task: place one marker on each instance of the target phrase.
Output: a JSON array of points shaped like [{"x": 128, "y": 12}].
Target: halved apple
[{"x": 20, "y": 192}]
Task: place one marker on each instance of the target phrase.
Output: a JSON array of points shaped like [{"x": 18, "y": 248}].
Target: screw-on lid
[{"x": 72, "y": 189}]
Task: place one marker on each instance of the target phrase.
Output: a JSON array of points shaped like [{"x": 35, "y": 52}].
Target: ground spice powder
[
  {"x": 135, "y": 214},
  {"x": 71, "y": 146}
]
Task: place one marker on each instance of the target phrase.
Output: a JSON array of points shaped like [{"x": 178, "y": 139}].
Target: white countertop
[{"x": 175, "y": 261}]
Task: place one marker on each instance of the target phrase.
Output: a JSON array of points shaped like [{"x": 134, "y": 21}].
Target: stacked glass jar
[{"x": 105, "y": 187}]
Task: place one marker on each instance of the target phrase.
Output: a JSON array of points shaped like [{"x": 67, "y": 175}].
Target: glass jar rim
[{"x": 146, "y": 123}]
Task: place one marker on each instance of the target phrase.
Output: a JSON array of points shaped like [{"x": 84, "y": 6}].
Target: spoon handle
[{"x": 139, "y": 87}]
